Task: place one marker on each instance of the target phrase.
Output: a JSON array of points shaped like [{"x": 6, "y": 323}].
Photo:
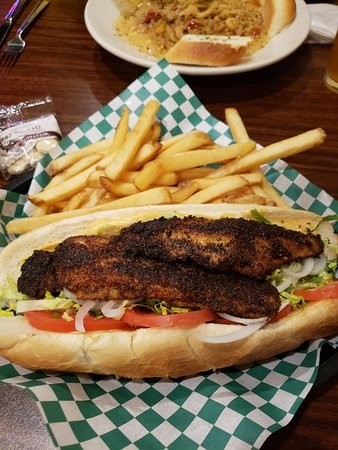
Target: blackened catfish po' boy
[{"x": 168, "y": 291}]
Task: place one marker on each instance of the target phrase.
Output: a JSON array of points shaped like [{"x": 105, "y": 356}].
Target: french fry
[
  {"x": 236, "y": 125},
  {"x": 40, "y": 211},
  {"x": 136, "y": 168},
  {"x": 182, "y": 161},
  {"x": 165, "y": 179},
  {"x": 64, "y": 161},
  {"x": 189, "y": 142},
  {"x": 147, "y": 152},
  {"x": 133, "y": 141},
  {"x": 281, "y": 149},
  {"x": 251, "y": 178},
  {"x": 172, "y": 140},
  {"x": 195, "y": 172},
  {"x": 179, "y": 194},
  {"x": 217, "y": 190},
  {"x": 63, "y": 190},
  {"x": 93, "y": 179},
  {"x": 148, "y": 175},
  {"x": 80, "y": 165},
  {"x": 154, "y": 132},
  {"x": 118, "y": 188},
  {"x": 273, "y": 195},
  {"x": 154, "y": 196},
  {"x": 76, "y": 201},
  {"x": 119, "y": 139}
]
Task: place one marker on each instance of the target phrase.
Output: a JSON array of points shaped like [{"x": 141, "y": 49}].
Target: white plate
[{"x": 101, "y": 15}]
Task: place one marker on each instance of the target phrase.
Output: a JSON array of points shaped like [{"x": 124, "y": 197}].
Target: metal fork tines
[{"x": 15, "y": 46}]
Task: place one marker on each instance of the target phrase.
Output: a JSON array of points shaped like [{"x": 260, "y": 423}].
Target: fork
[{"x": 16, "y": 45}]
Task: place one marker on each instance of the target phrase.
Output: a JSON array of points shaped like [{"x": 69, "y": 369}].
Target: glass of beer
[{"x": 331, "y": 75}]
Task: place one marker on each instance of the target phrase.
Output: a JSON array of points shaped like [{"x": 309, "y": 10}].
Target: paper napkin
[{"x": 324, "y": 23}]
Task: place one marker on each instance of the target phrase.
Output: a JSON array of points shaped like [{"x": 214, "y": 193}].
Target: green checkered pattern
[{"x": 233, "y": 409}]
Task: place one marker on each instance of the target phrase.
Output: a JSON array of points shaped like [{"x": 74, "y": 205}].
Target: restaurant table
[{"x": 276, "y": 102}]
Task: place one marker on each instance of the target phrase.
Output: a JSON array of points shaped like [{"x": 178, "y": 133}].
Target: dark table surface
[{"x": 276, "y": 102}]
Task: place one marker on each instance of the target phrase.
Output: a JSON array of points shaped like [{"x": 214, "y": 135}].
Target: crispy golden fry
[
  {"x": 218, "y": 189},
  {"x": 40, "y": 211},
  {"x": 189, "y": 142},
  {"x": 119, "y": 188},
  {"x": 154, "y": 132},
  {"x": 80, "y": 165},
  {"x": 93, "y": 179},
  {"x": 134, "y": 139},
  {"x": 148, "y": 175},
  {"x": 168, "y": 142},
  {"x": 182, "y": 161},
  {"x": 63, "y": 190},
  {"x": 281, "y": 149},
  {"x": 146, "y": 153},
  {"x": 76, "y": 201},
  {"x": 94, "y": 197},
  {"x": 64, "y": 161},
  {"x": 166, "y": 179},
  {"x": 154, "y": 196},
  {"x": 181, "y": 193},
  {"x": 135, "y": 168},
  {"x": 273, "y": 195},
  {"x": 236, "y": 125},
  {"x": 250, "y": 178},
  {"x": 195, "y": 172},
  {"x": 119, "y": 139}
]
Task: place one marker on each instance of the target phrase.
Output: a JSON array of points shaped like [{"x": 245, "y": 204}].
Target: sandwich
[{"x": 168, "y": 291}]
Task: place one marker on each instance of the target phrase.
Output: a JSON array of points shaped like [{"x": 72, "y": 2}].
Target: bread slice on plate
[{"x": 207, "y": 50}]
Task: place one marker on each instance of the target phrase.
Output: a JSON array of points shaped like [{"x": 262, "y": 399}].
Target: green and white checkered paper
[{"x": 234, "y": 408}]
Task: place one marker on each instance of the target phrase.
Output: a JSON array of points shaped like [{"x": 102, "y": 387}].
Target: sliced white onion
[
  {"x": 81, "y": 314},
  {"x": 283, "y": 305},
  {"x": 303, "y": 269},
  {"x": 113, "y": 309},
  {"x": 242, "y": 320},
  {"x": 68, "y": 294},
  {"x": 285, "y": 284},
  {"x": 237, "y": 335},
  {"x": 319, "y": 264}
]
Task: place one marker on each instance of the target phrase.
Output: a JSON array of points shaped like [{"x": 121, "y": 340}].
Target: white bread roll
[
  {"x": 160, "y": 352},
  {"x": 156, "y": 352}
]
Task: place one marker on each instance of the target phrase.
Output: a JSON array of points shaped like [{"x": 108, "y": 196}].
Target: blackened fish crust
[
  {"x": 247, "y": 247},
  {"x": 93, "y": 269}
]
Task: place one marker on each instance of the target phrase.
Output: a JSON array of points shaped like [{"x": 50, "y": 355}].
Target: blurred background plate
[{"x": 100, "y": 16}]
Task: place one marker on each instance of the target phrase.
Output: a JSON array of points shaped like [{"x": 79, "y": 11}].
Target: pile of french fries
[{"x": 136, "y": 167}]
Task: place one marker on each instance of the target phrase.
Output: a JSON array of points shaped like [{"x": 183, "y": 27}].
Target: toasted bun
[
  {"x": 155, "y": 352},
  {"x": 218, "y": 51}
]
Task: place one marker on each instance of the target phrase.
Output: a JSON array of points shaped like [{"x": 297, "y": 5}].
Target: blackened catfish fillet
[
  {"x": 94, "y": 270},
  {"x": 243, "y": 246}
]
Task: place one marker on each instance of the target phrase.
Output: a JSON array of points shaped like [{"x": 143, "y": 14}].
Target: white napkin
[{"x": 324, "y": 23}]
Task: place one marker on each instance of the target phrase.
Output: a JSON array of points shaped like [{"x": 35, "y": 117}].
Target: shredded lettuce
[{"x": 159, "y": 307}]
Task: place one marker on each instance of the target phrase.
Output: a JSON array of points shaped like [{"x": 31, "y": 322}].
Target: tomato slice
[
  {"x": 282, "y": 313},
  {"x": 53, "y": 321},
  {"x": 223, "y": 321},
  {"x": 319, "y": 293},
  {"x": 138, "y": 318}
]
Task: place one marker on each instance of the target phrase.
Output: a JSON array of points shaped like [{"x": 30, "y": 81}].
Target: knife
[{"x": 10, "y": 18}]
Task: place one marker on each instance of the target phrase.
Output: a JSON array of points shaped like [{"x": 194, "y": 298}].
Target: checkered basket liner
[{"x": 236, "y": 408}]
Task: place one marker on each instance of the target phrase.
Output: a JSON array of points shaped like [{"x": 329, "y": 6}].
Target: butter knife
[{"x": 10, "y": 18}]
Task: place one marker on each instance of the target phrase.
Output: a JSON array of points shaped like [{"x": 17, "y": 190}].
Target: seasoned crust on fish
[
  {"x": 92, "y": 269},
  {"x": 248, "y": 247}
]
